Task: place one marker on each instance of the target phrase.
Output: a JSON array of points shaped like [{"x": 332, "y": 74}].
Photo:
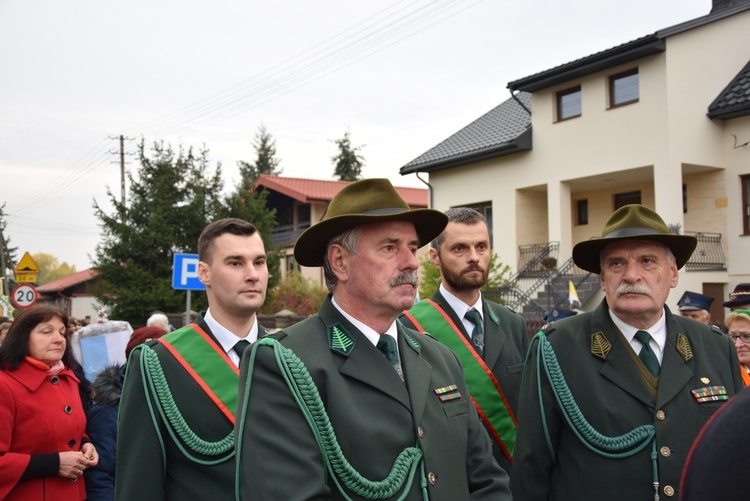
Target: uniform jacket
[
  {"x": 614, "y": 398},
  {"x": 505, "y": 344},
  {"x": 148, "y": 470},
  {"x": 373, "y": 413},
  {"x": 39, "y": 414}
]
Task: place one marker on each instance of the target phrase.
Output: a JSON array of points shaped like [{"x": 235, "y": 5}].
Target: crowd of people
[{"x": 378, "y": 397}]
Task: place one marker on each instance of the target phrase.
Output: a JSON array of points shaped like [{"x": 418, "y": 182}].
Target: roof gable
[
  {"x": 501, "y": 131},
  {"x": 322, "y": 191},
  {"x": 734, "y": 100},
  {"x": 69, "y": 281}
]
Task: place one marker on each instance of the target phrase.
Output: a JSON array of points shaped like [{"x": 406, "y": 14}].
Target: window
[
  {"x": 582, "y": 212},
  {"x": 623, "y": 199},
  {"x": 569, "y": 103},
  {"x": 745, "y": 180},
  {"x": 623, "y": 88}
]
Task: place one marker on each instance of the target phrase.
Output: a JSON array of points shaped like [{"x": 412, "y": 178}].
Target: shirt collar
[
  {"x": 225, "y": 337},
  {"x": 371, "y": 334},
  {"x": 658, "y": 331},
  {"x": 459, "y": 306}
]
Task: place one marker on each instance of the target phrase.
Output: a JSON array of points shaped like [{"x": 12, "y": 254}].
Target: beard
[{"x": 460, "y": 281}]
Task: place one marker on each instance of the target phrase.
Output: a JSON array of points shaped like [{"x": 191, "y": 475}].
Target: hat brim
[
  {"x": 311, "y": 245},
  {"x": 737, "y": 302},
  {"x": 586, "y": 254}
]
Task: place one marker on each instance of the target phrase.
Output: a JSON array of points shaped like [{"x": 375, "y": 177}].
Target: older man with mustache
[
  {"x": 490, "y": 340},
  {"x": 349, "y": 403},
  {"x": 613, "y": 398}
]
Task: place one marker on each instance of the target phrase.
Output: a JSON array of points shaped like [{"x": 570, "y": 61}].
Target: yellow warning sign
[{"x": 26, "y": 266}]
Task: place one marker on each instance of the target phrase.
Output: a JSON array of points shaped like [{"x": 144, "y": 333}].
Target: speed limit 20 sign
[{"x": 24, "y": 296}]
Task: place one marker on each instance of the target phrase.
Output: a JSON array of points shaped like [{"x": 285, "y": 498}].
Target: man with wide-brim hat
[
  {"x": 612, "y": 398},
  {"x": 328, "y": 406}
]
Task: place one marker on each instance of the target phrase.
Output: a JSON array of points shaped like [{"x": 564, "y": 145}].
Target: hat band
[
  {"x": 628, "y": 232},
  {"x": 739, "y": 294},
  {"x": 379, "y": 212}
]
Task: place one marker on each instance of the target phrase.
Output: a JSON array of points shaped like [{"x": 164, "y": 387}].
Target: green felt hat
[
  {"x": 633, "y": 222},
  {"x": 362, "y": 202}
]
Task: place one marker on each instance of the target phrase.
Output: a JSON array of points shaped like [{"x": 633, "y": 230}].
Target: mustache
[
  {"x": 633, "y": 289},
  {"x": 406, "y": 277}
]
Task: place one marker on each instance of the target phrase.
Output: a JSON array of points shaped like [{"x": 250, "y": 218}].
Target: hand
[
  {"x": 72, "y": 464},
  {"x": 90, "y": 454}
]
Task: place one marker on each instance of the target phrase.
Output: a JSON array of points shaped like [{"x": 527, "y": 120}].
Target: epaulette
[{"x": 716, "y": 329}]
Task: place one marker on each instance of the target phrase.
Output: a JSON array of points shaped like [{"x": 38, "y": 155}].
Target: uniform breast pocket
[
  {"x": 708, "y": 409},
  {"x": 515, "y": 369},
  {"x": 458, "y": 408}
]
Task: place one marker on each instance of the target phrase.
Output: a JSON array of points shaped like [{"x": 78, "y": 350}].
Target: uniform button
[
  {"x": 660, "y": 415},
  {"x": 432, "y": 478},
  {"x": 68, "y": 409},
  {"x": 72, "y": 442},
  {"x": 668, "y": 490},
  {"x": 420, "y": 431},
  {"x": 665, "y": 452},
  {"x": 54, "y": 379}
]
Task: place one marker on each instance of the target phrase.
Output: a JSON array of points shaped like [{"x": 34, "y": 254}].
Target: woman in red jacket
[{"x": 43, "y": 449}]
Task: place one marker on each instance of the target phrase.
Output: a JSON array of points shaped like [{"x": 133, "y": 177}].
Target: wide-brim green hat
[
  {"x": 633, "y": 222},
  {"x": 362, "y": 202}
]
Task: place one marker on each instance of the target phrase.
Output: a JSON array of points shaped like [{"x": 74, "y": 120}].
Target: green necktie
[
  {"x": 647, "y": 355},
  {"x": 240, "y": 347},
  {"x": 477, "y": 335},
  {"x": 387, "y": 345}
]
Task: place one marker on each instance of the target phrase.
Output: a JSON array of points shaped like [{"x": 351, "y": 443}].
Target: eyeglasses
[{"x": 743, "y": 336}]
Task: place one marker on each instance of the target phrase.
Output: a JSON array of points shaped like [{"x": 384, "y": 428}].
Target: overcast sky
[{"x": 401, "y": 76}]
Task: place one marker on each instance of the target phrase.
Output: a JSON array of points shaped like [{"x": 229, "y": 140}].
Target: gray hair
[
  {"x": 463, "y": 215},
  {"x": 158, "y": 320},
  {"x": 349, "y": 240}
]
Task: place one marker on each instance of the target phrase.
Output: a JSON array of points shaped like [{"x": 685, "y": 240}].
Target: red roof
[
  {"x": 319, "y": 190},
  {"x": 69, "y": 281}
]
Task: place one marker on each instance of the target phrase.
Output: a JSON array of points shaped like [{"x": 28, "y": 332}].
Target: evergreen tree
[
  {"x": 173, "y": 196},
  {"x": 348, "y": 163},
  {"x": 265, "y": 157},
  {"x": 8, "y": 257}
]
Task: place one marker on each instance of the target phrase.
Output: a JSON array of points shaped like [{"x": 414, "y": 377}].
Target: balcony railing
[
  {"x": 708, "y": 255},
  {"x": 287, "y": 234}
]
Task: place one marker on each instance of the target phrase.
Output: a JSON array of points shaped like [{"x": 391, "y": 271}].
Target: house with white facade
[{"x": 663, "y": 120}]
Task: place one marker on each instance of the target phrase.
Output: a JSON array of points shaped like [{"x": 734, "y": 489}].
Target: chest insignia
[
  {"x": 600, "y": 345},
  {"x": 683, "y": 346}
]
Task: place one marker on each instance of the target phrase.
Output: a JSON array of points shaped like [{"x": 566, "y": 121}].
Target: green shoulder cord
[
  {"x": 305, "y": 393},
  {"x": 155, "y": 383},
  {"x": 623, "y": 446}
]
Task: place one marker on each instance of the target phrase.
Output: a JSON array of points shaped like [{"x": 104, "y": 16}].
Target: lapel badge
[
  {"x": 339, "y": 340},
  {"x": 683, "y": 346},
  {"x": 705, "y": 380},
  {"x": 600, "y": 345},
  {"x": 710, "y": 394},
  {"x": 493, "y": 316},
  {"x": 448, "y": 393}
]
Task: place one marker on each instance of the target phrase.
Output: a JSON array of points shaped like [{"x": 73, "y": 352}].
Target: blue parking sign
[{"x": 185, "y": 273}]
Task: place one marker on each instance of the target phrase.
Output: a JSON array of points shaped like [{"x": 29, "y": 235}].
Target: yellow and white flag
[{"x": 573, "y": 296}]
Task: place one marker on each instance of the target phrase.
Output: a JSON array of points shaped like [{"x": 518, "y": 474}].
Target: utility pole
[
  {"x": 4, "y": 290},
  {"x": 122, "y": 166},
  {"x": 122, "y": 169}
]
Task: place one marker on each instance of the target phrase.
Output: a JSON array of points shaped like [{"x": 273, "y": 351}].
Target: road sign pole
[{"x": 187, "y": 308}]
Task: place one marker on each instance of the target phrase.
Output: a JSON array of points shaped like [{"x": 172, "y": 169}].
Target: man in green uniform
[
  {"x": 613, "y": 398},
  {"x": 349, "y": 404},
  {"x": 176, "y": 421},
  {"x": 490, "y": 340}
]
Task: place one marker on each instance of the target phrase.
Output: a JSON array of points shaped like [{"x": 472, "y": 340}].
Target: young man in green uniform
[
  {"x": 176, "y": 420},
  {"x": 492, "y": 350},
  {"x": 613, "y": 398},
  {"x": 349, "y": 404}
]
